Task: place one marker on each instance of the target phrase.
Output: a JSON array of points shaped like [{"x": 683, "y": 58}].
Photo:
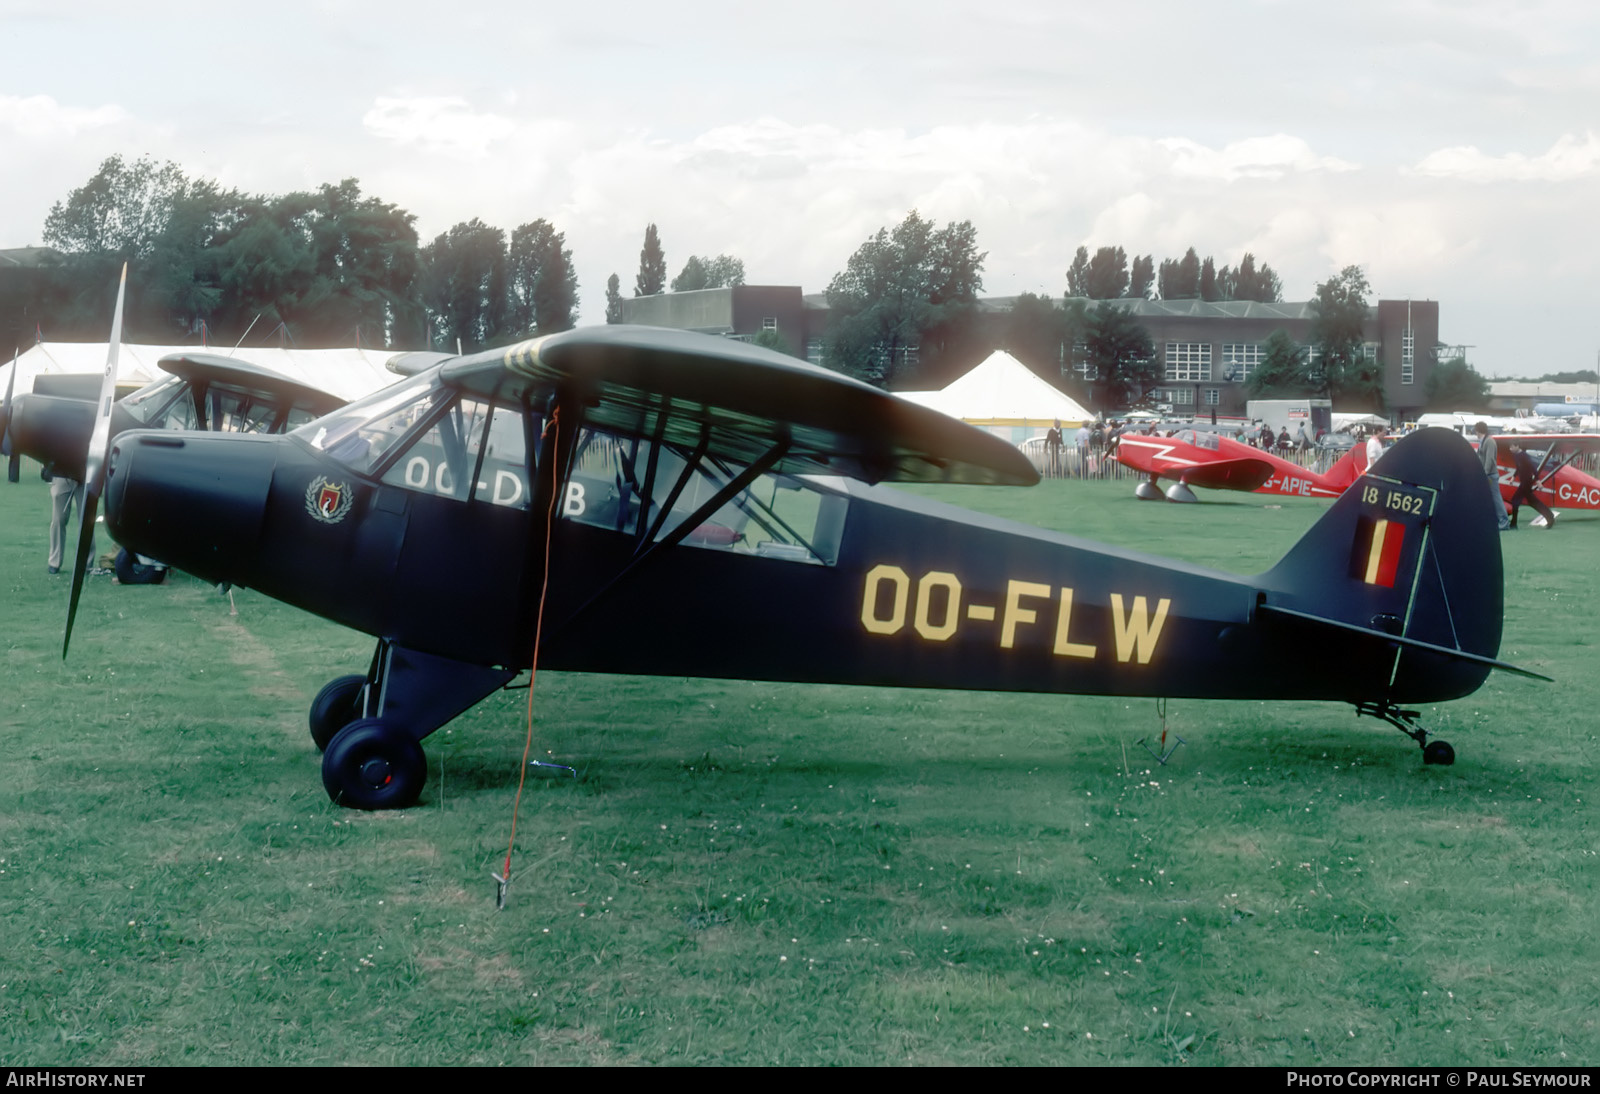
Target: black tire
[
  {"x": 335, "y": 707},
  {"x": 1438, "y": 752},
  {"x": 130, "y": 571},
  {"x": 371, "y": 765}
]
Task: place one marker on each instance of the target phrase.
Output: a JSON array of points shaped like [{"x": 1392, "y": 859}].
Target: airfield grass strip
[{"x": 772, "y": 873}]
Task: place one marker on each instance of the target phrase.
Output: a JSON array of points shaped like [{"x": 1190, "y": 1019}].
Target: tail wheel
[
  {"x": 335, "y": 707},
  {"x": 372, "y": 765},
  {"x": 1438, "y": 752}
]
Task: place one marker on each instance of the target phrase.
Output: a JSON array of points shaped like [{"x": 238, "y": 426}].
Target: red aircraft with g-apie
[{"x": 1193, "y": 457}]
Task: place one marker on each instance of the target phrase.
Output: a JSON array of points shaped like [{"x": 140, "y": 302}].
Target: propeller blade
[
  {"x": 100, "y": 439},
  {"x": 14, "y": 466},
  {"x": 80, "y": 565},
  {"x": 95, "y": 463}
]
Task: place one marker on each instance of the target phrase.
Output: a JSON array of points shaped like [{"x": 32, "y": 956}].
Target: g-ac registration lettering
[{"x": 933, "y": 604}]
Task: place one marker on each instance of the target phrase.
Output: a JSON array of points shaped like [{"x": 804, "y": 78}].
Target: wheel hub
[{"x": 376, "y": 772}]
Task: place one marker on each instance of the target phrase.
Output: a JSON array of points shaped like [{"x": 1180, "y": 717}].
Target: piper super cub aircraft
[{"x": 636, "y": 500}]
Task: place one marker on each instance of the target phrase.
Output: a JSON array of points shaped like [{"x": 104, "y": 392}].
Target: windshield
[
  {"x": 360, "y": 434},
  {"x": 164, "y": 403}
]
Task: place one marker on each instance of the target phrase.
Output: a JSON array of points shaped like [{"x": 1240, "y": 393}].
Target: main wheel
[
  {"x": 1438, "y": 752},
  {"x": 371, "y": 765},
  {"x": 335, "y": 707}
]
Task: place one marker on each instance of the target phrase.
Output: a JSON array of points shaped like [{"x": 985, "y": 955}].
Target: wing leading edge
[{"x": 740, "y": 401}]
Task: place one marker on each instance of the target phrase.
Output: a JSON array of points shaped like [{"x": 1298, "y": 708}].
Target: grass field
[{"x": 759, "y": 873}]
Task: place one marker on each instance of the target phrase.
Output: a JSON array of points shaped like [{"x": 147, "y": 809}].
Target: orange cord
[{"x": 538, "y": 630}]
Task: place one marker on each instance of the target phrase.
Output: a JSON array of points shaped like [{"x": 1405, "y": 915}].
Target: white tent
[
  {"x": 347, "y": 373},
  {"x": 1003, "y": 395}
]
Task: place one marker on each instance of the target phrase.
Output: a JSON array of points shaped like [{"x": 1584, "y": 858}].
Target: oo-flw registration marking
[{"x": 1135, "y": 631}]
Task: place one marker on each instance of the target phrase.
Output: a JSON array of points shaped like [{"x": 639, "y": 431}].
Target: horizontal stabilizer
[{"x": 1401, "y": 640}]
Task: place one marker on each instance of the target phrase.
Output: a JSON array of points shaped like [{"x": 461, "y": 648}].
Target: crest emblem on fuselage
[{"x": 329, "y": 501}]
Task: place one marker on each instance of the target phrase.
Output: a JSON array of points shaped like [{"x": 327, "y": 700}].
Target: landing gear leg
[
  {"x": 375, "y": 761},
  {"x": 1433, "y": 752}
]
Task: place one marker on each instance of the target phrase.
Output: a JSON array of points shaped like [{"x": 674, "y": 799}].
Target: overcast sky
[{"x": 1451, "y": 148}]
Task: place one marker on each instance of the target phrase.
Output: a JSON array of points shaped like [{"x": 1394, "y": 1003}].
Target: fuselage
[{"x": 867, "y": 585}]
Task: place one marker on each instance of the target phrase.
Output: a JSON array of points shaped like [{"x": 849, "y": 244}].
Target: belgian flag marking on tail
[
  {"x": 1376, "y": 557},
  {"x": 1392, "y": 513}
]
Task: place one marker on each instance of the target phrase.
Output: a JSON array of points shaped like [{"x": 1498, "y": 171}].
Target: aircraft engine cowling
[{"x": 190, "y": 500}]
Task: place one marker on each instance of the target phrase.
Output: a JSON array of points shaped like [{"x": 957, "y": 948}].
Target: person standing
[
  {"x": 1375, "y": 445},
  {"x": 1487, "y": 455},
  {"x": 1052, "y": 445},
  {"x": 1526, "y": 474},
  {"x": 66, "y": 497}
]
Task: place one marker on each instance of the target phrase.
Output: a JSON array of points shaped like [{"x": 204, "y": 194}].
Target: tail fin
[
  {"x": 1399, "y": 584},
  {"x": 1348, "y": 468}
]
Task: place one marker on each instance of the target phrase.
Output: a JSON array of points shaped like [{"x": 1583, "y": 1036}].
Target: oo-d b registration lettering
[{"x": 935, "y": 608}]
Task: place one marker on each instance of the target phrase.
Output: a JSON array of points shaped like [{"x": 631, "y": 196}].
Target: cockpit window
[
  {"x": 624, "y": 484},
  {"x": 451, "y": 458}
]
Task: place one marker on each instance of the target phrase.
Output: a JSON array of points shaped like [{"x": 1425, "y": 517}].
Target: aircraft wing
[
  {"x": 1235, "y": 474},
  {"x": 245, "y": 378},
  {"x": 1581, "y": 443},
  {"x": 740, "y": 402}
]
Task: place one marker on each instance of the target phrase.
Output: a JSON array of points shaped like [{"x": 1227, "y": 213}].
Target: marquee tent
[{"x": 1004, "y": 396}]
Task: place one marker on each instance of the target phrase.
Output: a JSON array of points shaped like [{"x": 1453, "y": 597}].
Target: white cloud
[
  {"x": 40, "y": 116},
  {"x": 1253, "y": 158},
  {"x": 1568, "y": 159},
  {"x": 440, "y": 124}
]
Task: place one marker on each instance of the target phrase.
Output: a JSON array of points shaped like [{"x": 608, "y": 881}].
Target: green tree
[
  {"x": 366, "y": 267},
  {"x": 613, "y": 299},
  {"x": 1078, "y": 273},
  {"x": 1180, "y": 279},
  {"x": 464, "y": 284},
  {"x": 1282, "y": 373},
  {"x": 709, "y": 273},
  {"x": 1248, "y": 283},
  {"x": 1107, "y": 275},
  {"x": 164, "y": 224},
  {"x": 1456, "y": 385},
  {"x": 771, "y": 339},
  {"x": 1035, "y": 334},
  {"x": 1208, "y": 280},
  {"x": 541, "y": 285},
  {"x": 1143, "y": 277},
  {"x": 652, "y": 265},
  {"x": 1342, "y": 370},
  {"x": 1122, "y": 355},
  {"x": 909, "y": 294}
]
